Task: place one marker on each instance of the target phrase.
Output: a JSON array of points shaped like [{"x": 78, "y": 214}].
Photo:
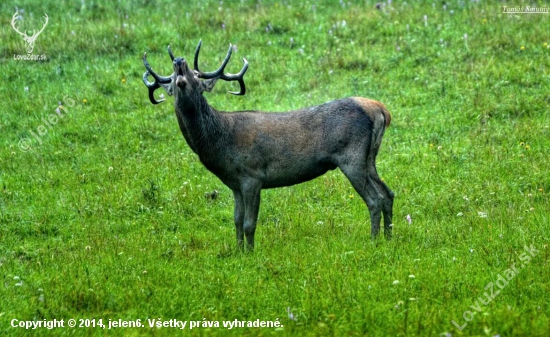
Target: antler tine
[
  {"x": 243, "y": 88},
  {"x": 170, "y": 53},
  {"x": 45, "y": 23},
  {"x": 152, "y": 87},
  {"x": 219, "y": 72},
  {"x": 14, "y": 17},
  {"x": 158, "y": 80},
  {"x": 238, "y": 77},
  {"x": 161, "y": 79},
  {"x": 196, "y": 60},
  {"x": 214, "y": 74}
]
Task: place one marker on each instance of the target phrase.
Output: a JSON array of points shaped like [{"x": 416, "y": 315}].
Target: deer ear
[
  {"x": 208, "y": 85},
  {"x": 167, "y": 87}
]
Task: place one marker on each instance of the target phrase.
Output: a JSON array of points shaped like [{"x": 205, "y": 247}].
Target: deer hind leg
[
  {"x": 357, "y": 175},
  {"x": 374, "y": 192},
  {"x": 387, "y": 200}
]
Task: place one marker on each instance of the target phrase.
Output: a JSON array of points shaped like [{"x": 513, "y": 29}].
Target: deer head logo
[{"x": 29, "y": 40}]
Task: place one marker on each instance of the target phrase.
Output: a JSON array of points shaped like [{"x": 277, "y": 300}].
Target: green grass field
[{"x": 103, "y": 214}]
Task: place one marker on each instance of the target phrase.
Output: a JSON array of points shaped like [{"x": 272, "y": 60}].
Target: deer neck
[{"x": 201, "y": 125}]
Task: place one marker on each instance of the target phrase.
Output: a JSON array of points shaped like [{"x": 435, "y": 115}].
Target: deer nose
[{"x": 180, "y": 62}]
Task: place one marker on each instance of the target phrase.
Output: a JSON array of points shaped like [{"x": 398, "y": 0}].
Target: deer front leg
[
  {"x": 251, "y": 198},
  {"x": 239, "y": 218}
]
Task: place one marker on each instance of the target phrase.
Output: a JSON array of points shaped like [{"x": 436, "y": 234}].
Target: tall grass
[{"x": 104, "y": 215}]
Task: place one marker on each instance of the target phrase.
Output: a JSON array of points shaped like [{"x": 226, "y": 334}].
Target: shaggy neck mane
[{"x": 201, "y": 125}]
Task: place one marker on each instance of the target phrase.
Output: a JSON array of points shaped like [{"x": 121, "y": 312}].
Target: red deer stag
[{"x": 253, "y": 150}]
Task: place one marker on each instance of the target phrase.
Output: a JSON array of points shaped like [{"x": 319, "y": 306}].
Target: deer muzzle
[{"x": 180, "y": 70}]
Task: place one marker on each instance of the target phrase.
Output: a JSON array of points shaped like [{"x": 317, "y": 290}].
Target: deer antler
[
  {"x": 45, "y": 23},
  {"x": 219, "y": 72},
  {"x": 160, "y": 81},
  {"x": 13, "y": 24},
  {"x": 170, "y": 53}
]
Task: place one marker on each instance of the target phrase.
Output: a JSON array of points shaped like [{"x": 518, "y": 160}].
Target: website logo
[{"x": 29, "y": 40}]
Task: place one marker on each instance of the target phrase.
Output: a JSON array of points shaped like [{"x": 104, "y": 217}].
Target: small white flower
[
  {"x": 459, "y": 214},
  {"x": 290, "y": 314},
  {"x": 482, "y": 214},
  {"x": 471, "y": 250},
  {"x": 396, "y": 282},
  {"x": 412, "y": 276},
  {"x": 26, "y": 89}
]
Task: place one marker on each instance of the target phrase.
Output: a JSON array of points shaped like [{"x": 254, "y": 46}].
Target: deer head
[
  {"x": 29, "y": 40},
  {"x": 190, "y": 82}
]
